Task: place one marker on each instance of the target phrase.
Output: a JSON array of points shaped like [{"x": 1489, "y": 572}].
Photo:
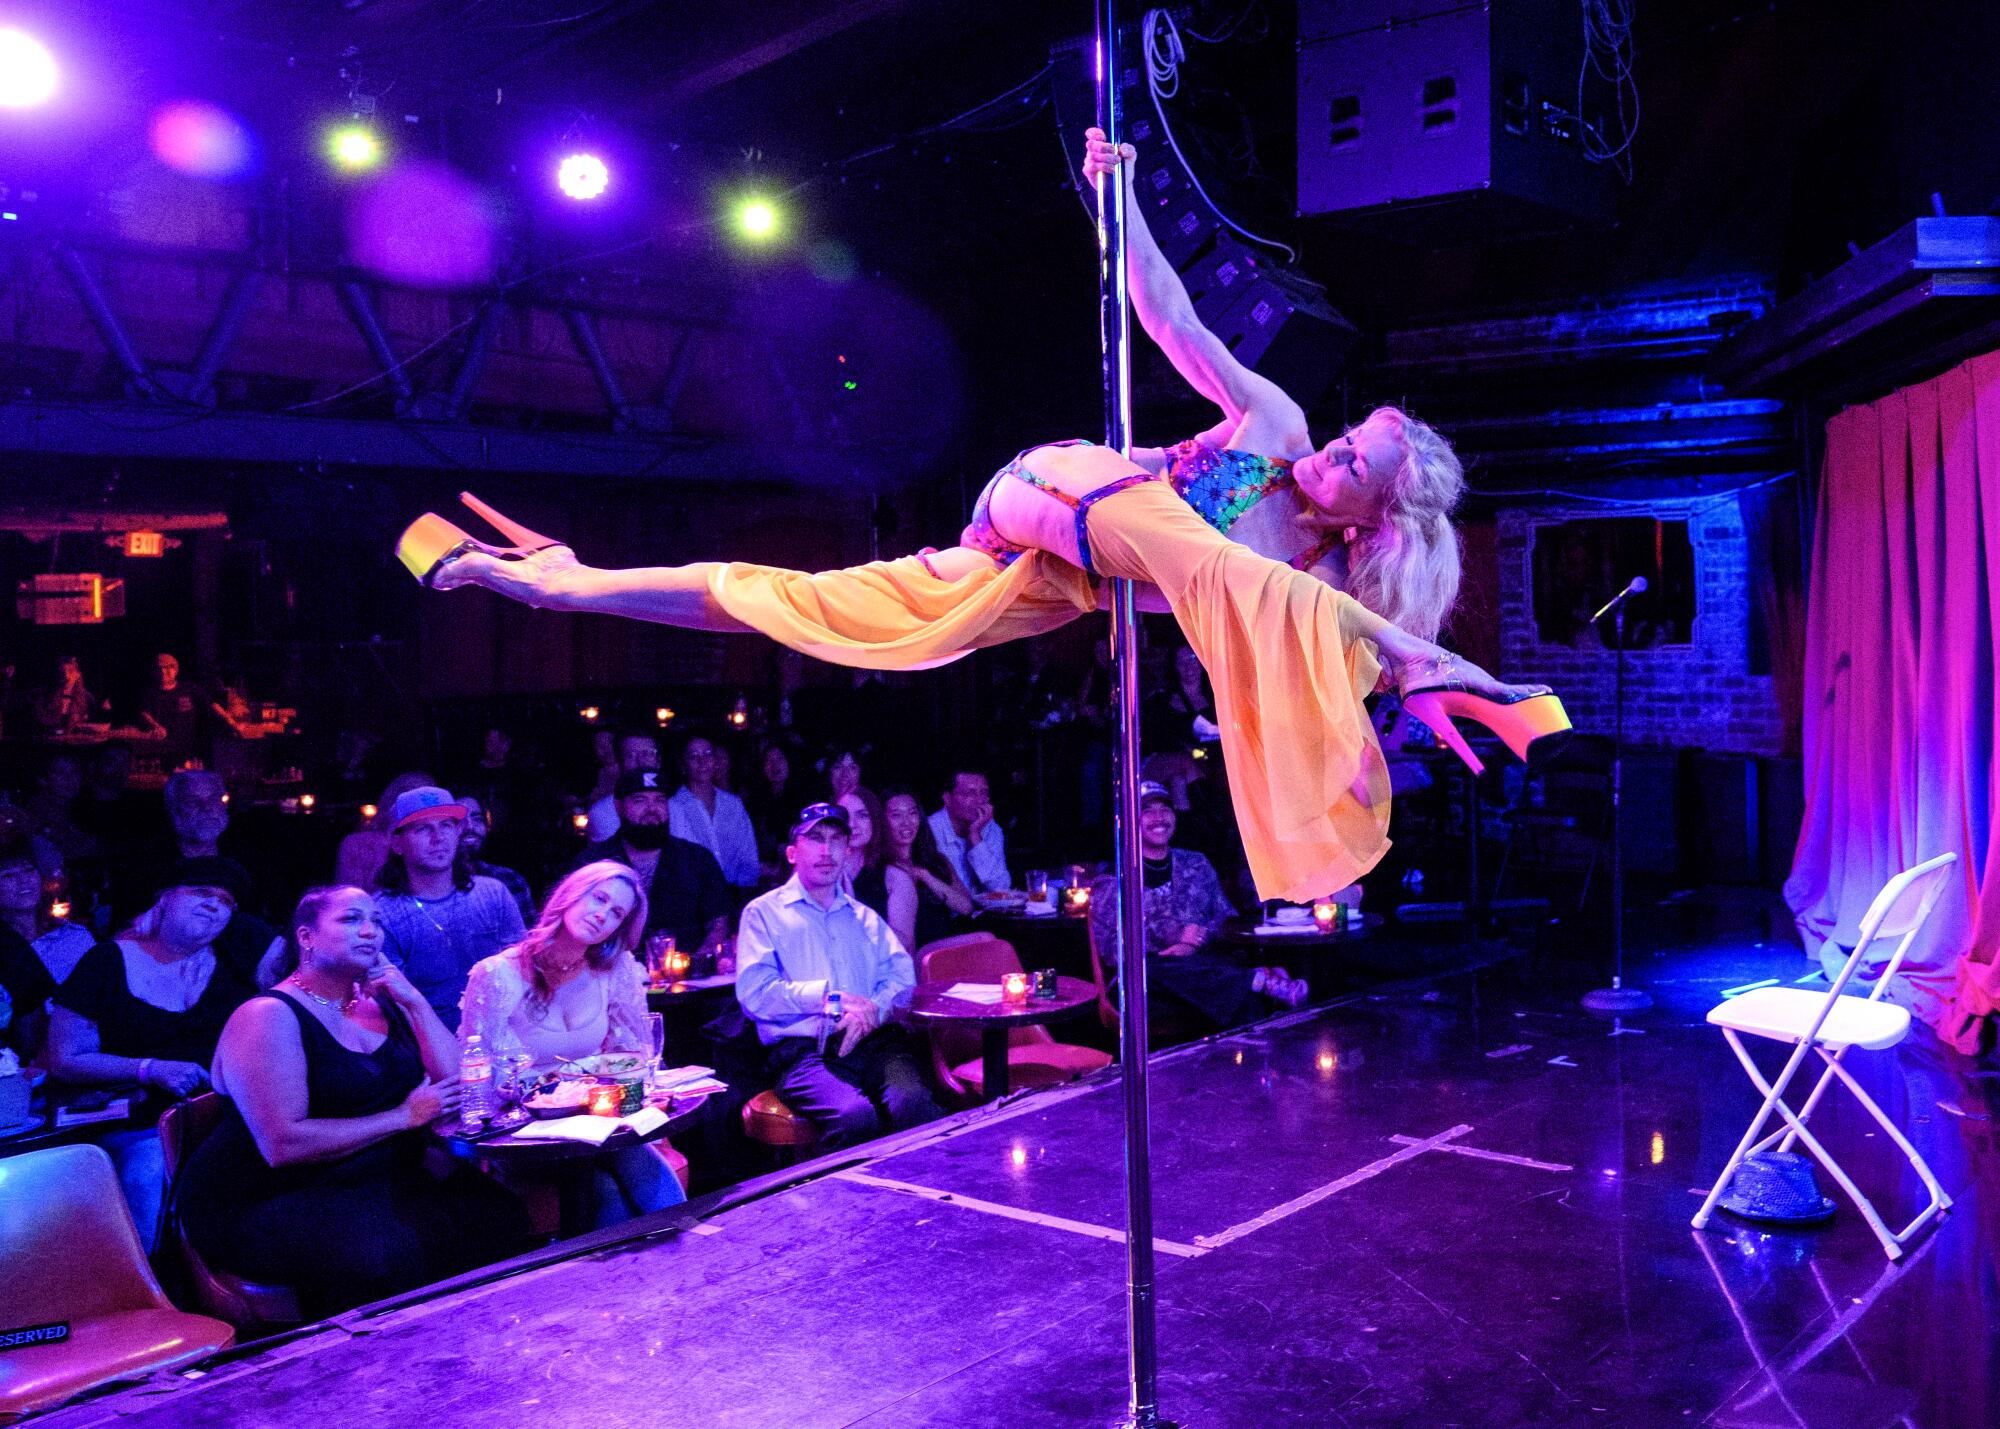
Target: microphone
[{"x": 1638, "y": 587}]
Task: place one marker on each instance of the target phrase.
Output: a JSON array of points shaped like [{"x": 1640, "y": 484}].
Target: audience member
[
  {"x": 712, "y": 817},
  {"x": 604, "y": 755},
  {"x": 724, "y": 765},
  {"x": 508, "y": 784},
  {"x": 441, "y": 918},
  {"x": 686, "y": 896},
  {"x": 69, "y": 705},
  {"x": 25, "y": 981},
  {"x": 52, "y": 807},
  {"x": 197, "y": 823},
  {"x": 359, "y": 861},
  {"x": 317, "y": 1178},
  {"x": 843, "y": 772},
  {"x": 855, "y": 1074},
  {"x": 636, "y": 750},
  {"x": 478, "y": 825},
  {"x": 173, "y": 707},
  {"x": 146, "y": 1008},
  {"x": 59, "y": 944},
  {"x": 1184, "y": 909},
  {"x": 769, "y": 798},
  {"x": 17, "y": 823},
  {"x": 909, "y": 845},
  {"x": 572, "y": 988},
  {"x": 1182, "y": 716},
  {"x": 968, "y": 836},
  {"x": 871, "y": 878}
]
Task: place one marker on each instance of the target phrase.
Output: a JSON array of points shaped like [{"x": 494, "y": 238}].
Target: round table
[
  {"x": 1051, "y": 940},
  {"x": 1238, "y": 933},
  {"x": 929, "y": 1003},
  {"x": 564, "y": 1162},
  {"x": 679, "y": 994}
]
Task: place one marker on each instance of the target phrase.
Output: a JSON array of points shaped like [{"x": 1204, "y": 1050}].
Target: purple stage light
[
  {"x": 27, "y": 70},
  {"x": 201, "y": 140},
  {"x": 583, "y": 176}
]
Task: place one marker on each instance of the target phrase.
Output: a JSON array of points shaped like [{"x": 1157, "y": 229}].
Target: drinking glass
[
  {"x": 656, "y": 1036},
  {"x": 514, "y": 1083},
  {"x": 1038, "y": 885}
]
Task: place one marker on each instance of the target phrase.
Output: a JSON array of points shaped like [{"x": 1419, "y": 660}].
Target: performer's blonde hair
[{"x": 1406, "y": 569}]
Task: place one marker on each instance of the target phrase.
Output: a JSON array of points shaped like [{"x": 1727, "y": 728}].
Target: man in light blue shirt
[
  {"x": 967, "y": 835},
  {"x": 854, "y": 1075}
]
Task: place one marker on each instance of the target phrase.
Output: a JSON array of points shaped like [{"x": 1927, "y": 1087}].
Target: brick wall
[{"x": 1701, "y": 695}]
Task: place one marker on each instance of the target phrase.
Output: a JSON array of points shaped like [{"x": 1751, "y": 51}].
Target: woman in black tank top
[{"x": 316, "y": 1178}]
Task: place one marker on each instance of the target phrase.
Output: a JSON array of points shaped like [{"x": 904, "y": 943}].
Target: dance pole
[{"x": 1115, "y": 332}]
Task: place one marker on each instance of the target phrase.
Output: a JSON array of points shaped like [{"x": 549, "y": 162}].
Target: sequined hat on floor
[{"x": 1777, "y": 1187}]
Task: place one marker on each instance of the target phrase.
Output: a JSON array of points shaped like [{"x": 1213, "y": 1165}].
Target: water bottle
[{"x": 475, "y": 1076}]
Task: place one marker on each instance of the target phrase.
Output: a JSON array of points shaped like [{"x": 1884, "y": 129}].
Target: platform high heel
[
  {"x": 1534, "y": 727},
  {"x": 430, "y": 542}
]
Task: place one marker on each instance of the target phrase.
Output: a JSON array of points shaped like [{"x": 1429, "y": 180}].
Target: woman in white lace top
[{"x": 571, "y": 988}]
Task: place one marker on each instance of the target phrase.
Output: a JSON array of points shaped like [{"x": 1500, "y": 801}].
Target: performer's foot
[
  {"x": 443, "y": 557},
  {"x": 1438, "y": 686}
]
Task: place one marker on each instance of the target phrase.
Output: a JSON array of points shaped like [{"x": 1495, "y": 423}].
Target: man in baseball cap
[
  {"x": 685, "y": 893},
  {"x": 438, "y": 917},
  {"x": 841, "y": 1065}
]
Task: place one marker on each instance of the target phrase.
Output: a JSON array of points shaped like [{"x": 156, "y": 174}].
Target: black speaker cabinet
[{"x": 1423, "y": 119}]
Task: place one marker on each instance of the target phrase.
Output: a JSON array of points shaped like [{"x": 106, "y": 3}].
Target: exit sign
[{"x": 145, "y": 543}]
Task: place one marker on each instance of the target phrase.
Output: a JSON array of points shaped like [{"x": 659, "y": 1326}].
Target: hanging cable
[
  {"x": 1607, "y": 53},
  {"x": 1160, "y": 43}
]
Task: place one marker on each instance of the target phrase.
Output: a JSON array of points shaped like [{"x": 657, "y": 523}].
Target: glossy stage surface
[{"x": 1453, "y": 1201}]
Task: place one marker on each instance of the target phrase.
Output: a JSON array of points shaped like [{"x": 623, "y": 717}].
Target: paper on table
[
  {"x": 593, "y": 1129},
  {"x": 674, "y": 1076},
  {"x": 646, "y": 1120},
  {"x": 982, "y": 992}
]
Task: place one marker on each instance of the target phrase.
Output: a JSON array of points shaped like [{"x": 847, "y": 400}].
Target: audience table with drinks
[
  {"x": 1049, "y": 924},
  {"x": 1019, "y": 999}
]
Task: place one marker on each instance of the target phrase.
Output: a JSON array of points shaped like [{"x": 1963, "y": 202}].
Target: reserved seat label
[{"x": 53, "y": 1333}]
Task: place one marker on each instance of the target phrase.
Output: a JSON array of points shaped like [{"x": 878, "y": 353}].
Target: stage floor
[{"x": 1460, "y": 1201}]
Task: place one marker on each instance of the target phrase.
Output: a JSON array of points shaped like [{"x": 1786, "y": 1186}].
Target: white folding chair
[{"x": 1832, "y": 1024}]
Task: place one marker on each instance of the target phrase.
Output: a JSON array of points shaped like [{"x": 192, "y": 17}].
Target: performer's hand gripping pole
[{"x": 1115, "y": 329}]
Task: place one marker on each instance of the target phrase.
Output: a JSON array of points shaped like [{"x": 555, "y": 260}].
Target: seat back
[
  {"x": 68, "y": 1248},
  {"x": 968, "y": 957},
  {"x": 185, "y": 1125},
  {"x": 1898, "y": 911},
  {"x": 1107, "y": 1010}
]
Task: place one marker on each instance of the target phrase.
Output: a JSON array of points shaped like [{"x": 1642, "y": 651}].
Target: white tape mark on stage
[
  {"x": 1331, "y": 1188},
  {"x": 1479, "y": 1154},
  {"x": 1012, "y": 1213}
]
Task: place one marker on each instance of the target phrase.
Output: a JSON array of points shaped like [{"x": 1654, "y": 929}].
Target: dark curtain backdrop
[{"x": 1899, "y": 727}]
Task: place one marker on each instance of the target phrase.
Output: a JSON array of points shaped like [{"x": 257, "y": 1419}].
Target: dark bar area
[{"x": 869, "y": 713}]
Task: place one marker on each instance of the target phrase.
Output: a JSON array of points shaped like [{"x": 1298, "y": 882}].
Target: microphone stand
[{"x": 1617, "y": 997}]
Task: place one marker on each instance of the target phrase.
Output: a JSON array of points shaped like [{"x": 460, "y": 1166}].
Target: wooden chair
[
  {"x": 1034, "y": 1057},
  {"x": 249, "y": 1305},
  {"x": 69, "y": 1255}
]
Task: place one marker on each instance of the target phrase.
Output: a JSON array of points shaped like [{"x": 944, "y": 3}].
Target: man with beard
[
  {"x": 478, "y": 826},
  {"x": 685, "y": 894}
]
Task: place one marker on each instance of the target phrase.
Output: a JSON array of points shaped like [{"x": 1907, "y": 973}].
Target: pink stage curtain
[{"x": 1899, "y": 706}]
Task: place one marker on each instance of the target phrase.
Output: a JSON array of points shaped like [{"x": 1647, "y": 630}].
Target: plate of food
[
  {"x": 1003, "y": 900},
  {"x": 609, "y": 1066},
  {"x": 561, "y": 1096}
]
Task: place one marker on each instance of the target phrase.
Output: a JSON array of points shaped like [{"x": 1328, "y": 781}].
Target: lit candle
[
  {"x": 1326, "y": 913},
  {"x": 589, "y": 713},
  {"x": 369, "y": 811},
  {"x": 1076, "y": 900},
  {"x": 607, "y": 1099},
  {"x": 663, "y": 715},
  {"x": 306, "y": 802},
  {"x": 1014, "y": 987},
  {"x": 676, "y": 963},
  {"x": 580, "y": 822},
  {"x": 59, "y": 909}
]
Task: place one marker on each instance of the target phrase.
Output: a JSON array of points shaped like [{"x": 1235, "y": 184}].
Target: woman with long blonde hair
[
  {"x": 1301, "y": 575},
  {"x": 572, "y": 988}
]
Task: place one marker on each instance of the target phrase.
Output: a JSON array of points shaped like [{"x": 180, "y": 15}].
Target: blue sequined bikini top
[{"x": 1220, "y": 483}]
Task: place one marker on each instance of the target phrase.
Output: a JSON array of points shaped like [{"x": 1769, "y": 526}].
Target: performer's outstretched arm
[{"x": 1167, "y": 314}]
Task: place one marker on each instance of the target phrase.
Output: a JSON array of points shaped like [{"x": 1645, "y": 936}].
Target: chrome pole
[{"x": 1115, "y": 332}]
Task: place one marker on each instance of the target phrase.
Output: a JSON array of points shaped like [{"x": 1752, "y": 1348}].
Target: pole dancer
[{"x": 1245, "y": 533}]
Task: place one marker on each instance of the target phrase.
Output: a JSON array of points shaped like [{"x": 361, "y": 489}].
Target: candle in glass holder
[
  {"x": 1076, "y": 900},
  {"x": 607, "y": 1099},
  {"x": 1326, "y": 913},
  {"x": 1014, "y": 987},
  {"x": 676, "y": 963}
]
